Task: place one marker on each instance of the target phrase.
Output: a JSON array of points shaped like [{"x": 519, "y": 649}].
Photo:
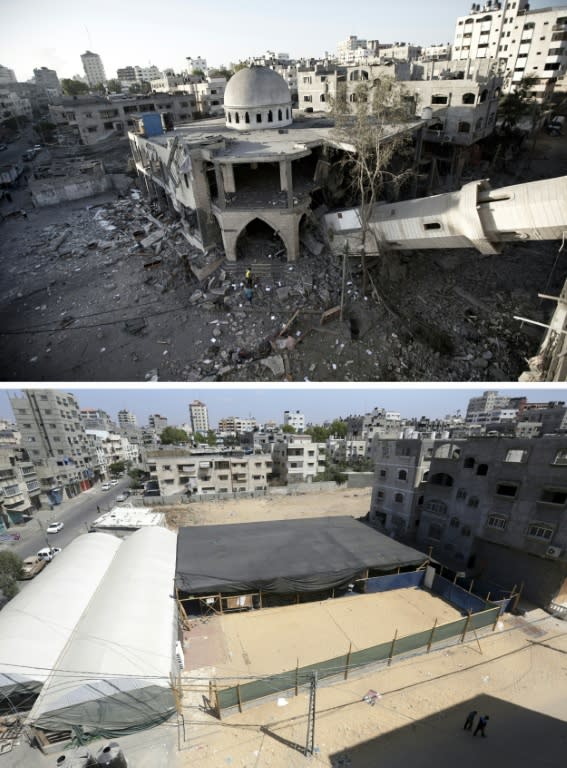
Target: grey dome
[{"x": 256, "y": 87}]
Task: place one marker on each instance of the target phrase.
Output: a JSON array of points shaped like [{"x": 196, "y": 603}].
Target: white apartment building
[
  {"x": 354, "y": 50},
  {"x": 115, "y": 447},
  {"x": 126, "y": 419},
  {"x": 297, "y": 459},
  {"x": 235, "y": 425},
  {"x": 7, "y": 76},
  {"x": 294, "y": 419},
  {"x": 196, "y": 63},
  {"x": 203, "y": 472},
  {"x": 344, "y": 450},
  {"x": 525, "y": 42},
  {"x": 19, "y": 486},
  {"x": 199, "y": 417},
  {"x": 157, "y": 423},
  {"x": 13, "y": 105},
  {"x": 94, "y": 70}
]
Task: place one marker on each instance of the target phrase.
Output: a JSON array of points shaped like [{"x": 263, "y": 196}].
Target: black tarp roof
[{"x": 283, "y": 556}]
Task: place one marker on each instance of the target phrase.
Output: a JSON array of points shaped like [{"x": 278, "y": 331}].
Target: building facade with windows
[
  {"x": 294, "y": 419},
  {"x": 297, "y": 459},
  {"x": 55, "y": 440},
  {"x": 199, "y": 417},
  {"x": 208, "y": 472},
  {"x": 94, "y": 69},
  {"x": 497, "y": 509},
  {"x": 20, "y": 487}
]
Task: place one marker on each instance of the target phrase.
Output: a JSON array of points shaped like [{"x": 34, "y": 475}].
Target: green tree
[
  {"x": 211, "y": 438},
  {"x": 173, "y": 435},
  {"x": 114, "y": 86},
  {"x": 318, "y": 434},
  {"x": 223, "y": 72},
  {"x": 137, "y": 476},
  {"x": 10, "y": 572},
  {"x": 197, "y": 72},
  {"x": 142, "y": 87},
  {"x": 46, "y": 130},
  {"x": 117, "y": 467},
  {"x": 288, "y": 429},
  {"x": 518, "y": 104},
  {"x": 338, "y": 428},
  {"x": 364, "y": 121},
  {"x": 331, "y": 474},
  {"x": 73, "y": 87}
]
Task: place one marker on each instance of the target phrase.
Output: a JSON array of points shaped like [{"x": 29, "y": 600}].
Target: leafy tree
[
  {"x": 137, "y": 476},
  {"x": 46, "y": 130},
  {"x": 514, "y": 106},
  {"x": 117, "y": 467},
  {"x": 363, "y": 127},
  {"x": 223, "y": 72},
  {"x": 211, "y": 438},
  {"x": 10, "y": 564},
  {"x": 173, "y": 435},
  {"x": 114, "y": 86},
  {"x": 288, "y": 429},
  {"x": 142, "y": 87},
  {"x": 318, "y": 434},
  {"x": 338, "y": 428},
  {"x": 197, "y": 72},
  {"x": 73, "y": 87},
  {"x": 331, "y": 474}
]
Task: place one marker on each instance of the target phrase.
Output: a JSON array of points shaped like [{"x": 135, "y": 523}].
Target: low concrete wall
[{"x": 360, "y": 479}]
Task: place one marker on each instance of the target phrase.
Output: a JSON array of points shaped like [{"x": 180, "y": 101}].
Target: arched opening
[
  {"x": 402, "y": 474},
  {"x": 399, "y": 497},
  {"x": 483, "y": 96},
  {"x": 229, "y": 117},
  {"x": 469, "y": 98},
  {"x": 287, "y": 113},
  {"x": 270, "y": 116},
  {"x": 258, "y": 117},
  {"x": 464, "y": 127},
  {"x": 441, "y": 478},
  {"x": 322, "y": 97},
  {"x": 279, "y": 115},
  {"x": 260, "y": 240},
  {"x": 246, "y": 117},
  {"x": 236, "y": 117},
  {"x": 447, "y": 451},
  {"x": 211, "y": 180}
]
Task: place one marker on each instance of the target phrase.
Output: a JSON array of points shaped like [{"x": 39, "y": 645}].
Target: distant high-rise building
[
  {"x": 126, "y": 419},
  {"x": 94, "y": 70},
  {"x": 294, "y": 419},
  {"x": 7, "y": 76},
  {"x": 47, "y": 79},
  {"x": 95, "y": 418},
  {"x": 157, "y": 423},
  {"x": 199, "y": 417},
  {"x": 196, "y": 63}
]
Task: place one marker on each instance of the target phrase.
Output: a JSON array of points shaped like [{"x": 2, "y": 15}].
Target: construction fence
[{"x": 479, "y": 614}]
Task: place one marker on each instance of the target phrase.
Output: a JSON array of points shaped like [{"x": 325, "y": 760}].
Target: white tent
[
  {"x": 115, "y": 673},
  {"x": 36, "y": 625}
]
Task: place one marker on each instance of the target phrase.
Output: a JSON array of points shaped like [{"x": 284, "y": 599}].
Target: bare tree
[{"x": 371, "y": 126}]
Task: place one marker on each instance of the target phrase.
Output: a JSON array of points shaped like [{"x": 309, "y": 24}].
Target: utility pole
[{"x": 310, "y": 741}]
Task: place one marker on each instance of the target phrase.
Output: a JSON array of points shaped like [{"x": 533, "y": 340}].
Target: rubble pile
[{"x": 113, "y": 290}]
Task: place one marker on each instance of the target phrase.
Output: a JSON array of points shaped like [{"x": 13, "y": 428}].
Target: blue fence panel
[
  {"x": 466, "y": 601},
  {"x": 395, "y": 581}
]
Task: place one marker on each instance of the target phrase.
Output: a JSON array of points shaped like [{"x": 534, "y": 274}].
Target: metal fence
[{"x": 479, "y": 614}]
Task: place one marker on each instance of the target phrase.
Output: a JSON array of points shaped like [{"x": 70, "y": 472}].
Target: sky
[
  {"x": 34, "y": 33},
  {"x": 318, "y": 403}
]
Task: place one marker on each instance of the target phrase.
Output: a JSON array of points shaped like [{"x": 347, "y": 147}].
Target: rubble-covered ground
[{"x": 107, "y": 289}]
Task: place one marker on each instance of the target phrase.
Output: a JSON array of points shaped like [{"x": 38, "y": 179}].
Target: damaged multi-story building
[{"x": 257, "y": 168}]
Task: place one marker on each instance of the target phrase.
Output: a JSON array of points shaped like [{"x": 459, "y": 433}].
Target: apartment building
[
  {"x": 294, "y": 419},
  {"x": 93, "y": 118},
  {"x": 401, "y": 469},
  {"x": 542, "y": 419},
  {"x": 235, "y": 425},
  {"x": 202, "y": 472},
  {"x": 54, "y": 438},
  {"x": 47, "y": 80},
  {"x": 20, "y": 487},
  {"x": 344, "y": 450},
  {"x": 497, "y": 509},
  {"x": 199, "y": 417},
  {"x": 7, "y": 76},
  {"x": 355, "y": 50},
  {"x": 127, "y": 419},
  {"x": 297, "y": 459},
  {"x": 94, "y": 69},
  {"x": 526, "y": 42},
  {"x": 96, "y": 418},
  {"x": 157, "y": 423}
]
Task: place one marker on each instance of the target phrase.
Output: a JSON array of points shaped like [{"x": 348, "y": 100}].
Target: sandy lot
[
  {"x": 516, "y": 675},
  {"x": 273, "y": 640},
  {"x": 354, "y": 501}
]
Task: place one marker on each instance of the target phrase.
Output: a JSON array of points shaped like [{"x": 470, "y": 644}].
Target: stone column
[
  {"x": 286, "y": 181},
  {"x": 220, "y": 186}
]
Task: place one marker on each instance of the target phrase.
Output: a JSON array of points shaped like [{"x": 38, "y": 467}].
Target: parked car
[
  {"x": 54, "y": 527},
  {"x": 114, "y": 482},
  {"x": 48, "y": 553},
  {"x": 32, "y": 566},
  {"x": 105, "y": 487},
  {"x": 123, "y": 496}
]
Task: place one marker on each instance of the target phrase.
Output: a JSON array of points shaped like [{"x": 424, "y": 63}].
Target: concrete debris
[{"x": 275, "y": 364}]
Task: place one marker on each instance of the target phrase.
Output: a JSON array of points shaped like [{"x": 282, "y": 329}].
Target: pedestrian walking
[
  {"x": 482, "y": 721},
  {"x": 98, "y": 509},
  {"x": 249, "y": 278},
  {"x": 470, "y": 720},
  {"x": 249, "y": 294}
]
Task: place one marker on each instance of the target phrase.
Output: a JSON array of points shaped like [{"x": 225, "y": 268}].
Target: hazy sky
[
  {"x": 318, "y": 403},
  {"x": 36, "y": 33}
]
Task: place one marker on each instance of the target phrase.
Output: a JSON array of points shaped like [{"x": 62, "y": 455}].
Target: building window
[
  {"x": 473, "y": 502},
  {"x": 437, "y": 507},
  {"x": 455, "y": 522},
  {"x": 307, "y": 98},
  {"x": 463, "y": 127},
  {"x": 435, "y": 532},
  {"x": 270, "y": 116},
  {"x": 482, "y": 469},
  {"x": 468, "y": 463},
  {"x": 560, "y": 458},
  {"x": 322, "y": 97},
  {"x": 462, "y": 493},
  {"x": 382, "y": 473},
  {"x": 465, "y": 530},
  {"x": 439, "y": 98},
  {"x": 399, "y": 498},
  {"x": 380, "y": 494},
  {"x": 441, "y": 478},
  {"x": 279, "y": 114},
  {"x": 236, "y": 117},
  {"x": 402, "y": 474},
  {"x": 469, "y": 98},
  {"x": 497, "y": 521},
  {"x": 506, "y": 489},
  {"x": 550, "y": 496},
  {"x": 540, "y": 531},
  {"x": 229, "y": 117},
  {"x": 258, "y": 117},
  {"x": 246, "y": 117}
]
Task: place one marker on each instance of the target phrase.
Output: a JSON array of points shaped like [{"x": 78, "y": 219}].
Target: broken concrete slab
[
  {"x": 275, "y": 363},
  {"x": 152, "y": 238},
  {"x": 201, "y": 273}
]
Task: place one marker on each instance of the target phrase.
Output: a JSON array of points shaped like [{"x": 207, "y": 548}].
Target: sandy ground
[
  {"x": 353, "y": 501},
  {"x": 276, "y": 639},
  {"x": 517, "y": 675}
]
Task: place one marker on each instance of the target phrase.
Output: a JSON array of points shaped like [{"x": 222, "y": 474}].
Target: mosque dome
[{"x": 257, "y": 98}]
